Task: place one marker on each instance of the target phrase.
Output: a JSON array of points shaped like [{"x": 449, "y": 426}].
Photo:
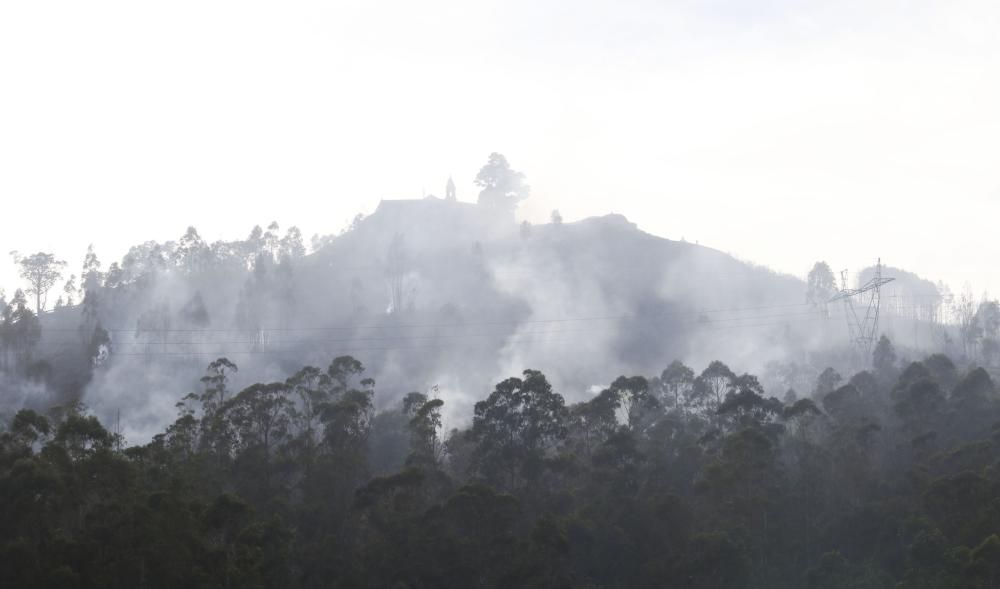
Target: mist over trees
[
  {"x": 300, "y": 482},
  {"x": 569, "y": 404}
]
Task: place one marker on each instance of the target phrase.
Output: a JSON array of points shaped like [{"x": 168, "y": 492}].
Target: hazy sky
[{"x": 781, "y": 131}]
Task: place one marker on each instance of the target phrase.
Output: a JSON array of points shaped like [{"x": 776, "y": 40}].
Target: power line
[
  {"x": 705, "y": 324},
  {"x": 452, "y": 324},
  {"x": 507, "y": 340},
  {"x": 699, "y": 322}
]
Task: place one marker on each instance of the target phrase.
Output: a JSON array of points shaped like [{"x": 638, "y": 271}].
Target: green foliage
[
  {"x": 515, "y": 428},
  {"x": 681, "y": 481}
]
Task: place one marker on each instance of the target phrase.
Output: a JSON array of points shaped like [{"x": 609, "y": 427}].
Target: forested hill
[
  {"x": 408, "y": 289},
  {"x": 440, "y": 397},
  {"x": 889, "y": 480}
]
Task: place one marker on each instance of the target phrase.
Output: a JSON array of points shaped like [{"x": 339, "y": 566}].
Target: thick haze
[{"x": 784, "y": 133}]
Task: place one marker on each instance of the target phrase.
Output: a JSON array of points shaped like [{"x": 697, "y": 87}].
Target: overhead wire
[
  {"x": 347, "y": 327},
  {"x": 275, "y": 346}
]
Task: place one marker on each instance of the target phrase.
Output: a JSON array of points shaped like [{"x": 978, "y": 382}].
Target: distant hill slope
[
  {"x": 432, "y": 292},
  {"x": 572, "y": 299}
]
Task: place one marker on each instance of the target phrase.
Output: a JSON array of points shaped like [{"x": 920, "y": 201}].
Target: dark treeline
[{"x": 887, "y": 478}]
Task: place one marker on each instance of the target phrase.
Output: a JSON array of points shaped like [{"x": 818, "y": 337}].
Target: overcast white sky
[{"x": 781, "y": 131}]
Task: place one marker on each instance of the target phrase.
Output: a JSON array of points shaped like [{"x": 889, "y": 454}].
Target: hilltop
[{"x": 411, "y": 287}]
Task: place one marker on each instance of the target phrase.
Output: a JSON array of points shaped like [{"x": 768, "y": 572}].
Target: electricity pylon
[{"x": 862, "y": 329}]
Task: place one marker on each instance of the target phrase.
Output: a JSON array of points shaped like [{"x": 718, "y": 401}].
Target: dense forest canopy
[
  {"x": 575, "y": 404},
  {"x": 884, "y": 478}
]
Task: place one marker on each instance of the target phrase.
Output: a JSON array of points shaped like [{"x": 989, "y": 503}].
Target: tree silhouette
[
  {"x": 42, "y": 271},
  {"x": 820, "y": 284},
  {"x": 502, "y": 187}
]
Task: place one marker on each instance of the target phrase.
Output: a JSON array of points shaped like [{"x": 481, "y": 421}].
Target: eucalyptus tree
[
  {"x": 514, "y": 428},
  {"x": 41, "y": 270}
]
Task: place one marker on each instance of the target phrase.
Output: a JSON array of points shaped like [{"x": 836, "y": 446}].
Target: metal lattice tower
[{"x": 862, "y": 319}]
